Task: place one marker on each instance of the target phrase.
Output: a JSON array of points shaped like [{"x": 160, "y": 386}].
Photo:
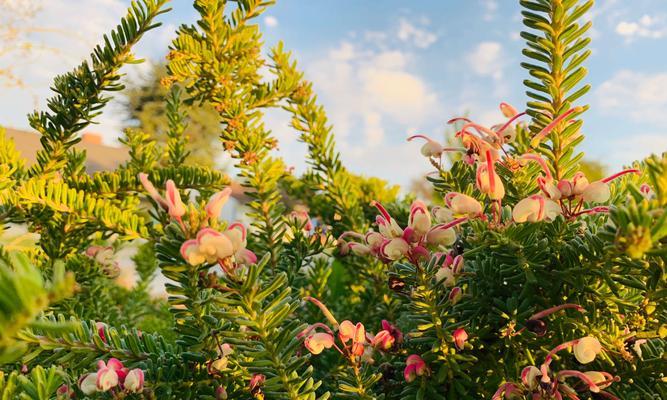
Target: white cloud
[
  {"x": 270, "y": 21},
  {"x": 624, "y": 152},
  {"x": 490, "y": 9},
  {"x": 69, "y": 29},
  {"x": 486, "y": 59},
  {"x": 653, "y": 27},
  {"x": 410, "y": 33},
  {"x": 366, "y": 88},
  {"x": 642, "y": 97}
]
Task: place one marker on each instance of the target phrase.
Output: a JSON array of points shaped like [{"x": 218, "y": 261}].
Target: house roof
[{"x": 100, "y": 157}]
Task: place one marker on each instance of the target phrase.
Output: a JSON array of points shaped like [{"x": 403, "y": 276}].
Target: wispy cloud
[
  {"x": 652, "y": 27},
  {"x": 490, "y": 9},
  {"x": 410, "y": 32},
  {"x": 639, "y": 96},
  {"x": 270, "y": 21}
]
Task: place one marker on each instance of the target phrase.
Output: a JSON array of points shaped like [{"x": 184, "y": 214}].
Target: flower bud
[
  {"x": 446, "y": 276},
  {"x": 537, "y": 326},
  {"x": 600, "y": 379},
  {"x": 455, "y": 295},
  {"x": 460, "y": 336},
  {"x": 507, "y": 110},
  {"x": 535, "y": 208},
  {"x": 216, "y": 202},
  {"x": 221, "y": 393},
  {"x": 579, "y": 183},
  {"x": 176, "y": 206},
  {"x": 565, "y": 188},
  {"x": 358, "y": 249},
  {"x": 150, "y": 189},
  {"x": 488, "y": 181},
  {"x": 245, "y": 257}
]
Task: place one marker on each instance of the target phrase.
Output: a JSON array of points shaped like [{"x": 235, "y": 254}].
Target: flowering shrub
[{"x": 525, "y": 279}]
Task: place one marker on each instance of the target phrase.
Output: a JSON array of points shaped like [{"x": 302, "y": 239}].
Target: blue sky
[{"x": 387, "y": 69}]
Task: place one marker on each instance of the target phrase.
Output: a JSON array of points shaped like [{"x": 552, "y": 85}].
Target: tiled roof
[{"x": 100, "y": 157}]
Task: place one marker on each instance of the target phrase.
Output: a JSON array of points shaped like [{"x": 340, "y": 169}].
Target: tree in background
[{"x": 145, "y": 105}]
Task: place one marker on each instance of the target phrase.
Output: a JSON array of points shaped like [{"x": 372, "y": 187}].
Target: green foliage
[
  {"x": 232, "y": 325},
  {"x": 557, "y": 50},
  {"x": 145, "y": 105}
]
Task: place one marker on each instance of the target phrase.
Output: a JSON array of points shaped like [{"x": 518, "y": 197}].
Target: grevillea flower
[
  {"x": 356, "y": 333},
  {"x": 530, "y": 377},
  {"x": 599, "y": 191},
  {"x": 586, "y": 349},
  {"x": 88, "y": 384},
  {"x": 319, "y": 341},
  {"x": 174, "y": 203},
  {"x": 221, "y": 362},
  {"x": 420, "y": 218},
  {"x": 446, "y": 276},
  {"x": 442, "y": 215},
  {"x": 431, "y": 148},
  {"x": 535, "y": 208},
  {"x": 216, "y": 202},
  {"x": 601, "y": 379},
  {"x": 488, "y": 181},
  {"x": 212, "y": 246},
  {"x": 65, "y": 392},
  {"x": 460, "y": 337},
  {"x": 255, "y": 385},
  {"x": 414, "y": 367},
  {"x": 462, "y": 204},
  {"x": 107, "y": 378},
  {"x": 301, "y": 218},
  {"x": 383, "y": 341},
  {"x": 221, "y": 393},
  {"x": 387, "y": 338},
  {"x": 134, "y": 381}
]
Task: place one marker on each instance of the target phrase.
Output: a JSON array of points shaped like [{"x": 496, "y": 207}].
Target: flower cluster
[
  {"x": 543, "y": 383},
  {"x": 104, "y": 256},
  {"x": 112, "y": 376},
  {"x": 227, "y": 248},
  {"x": 392, "y": 242},
  {"x": 565, "y": 196},
  {"x": 557, "y": 197},
  {"x": 353, "y": 340}
]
